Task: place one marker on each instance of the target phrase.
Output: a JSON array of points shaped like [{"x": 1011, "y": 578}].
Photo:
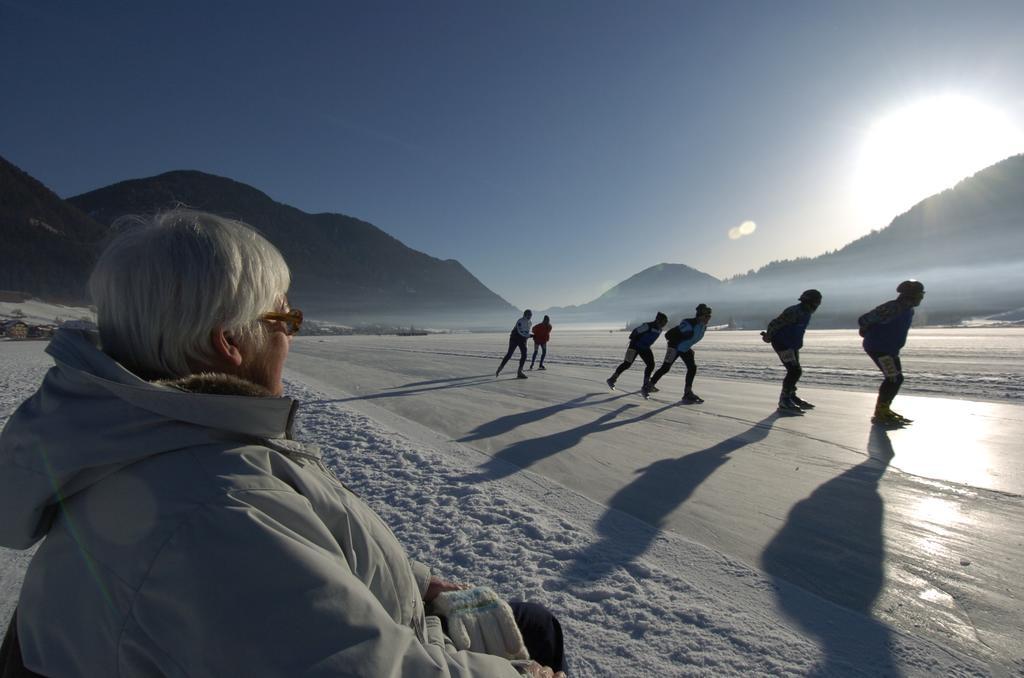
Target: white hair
[{"x": 166, "y": 282}]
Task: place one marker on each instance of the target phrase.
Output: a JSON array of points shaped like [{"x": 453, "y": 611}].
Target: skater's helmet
[
  {"x": 661, "y": 319},
  {"x": 703, "y": 309},
  {"x": 811, "y": 297},
  {"x": 910, "y": 288}
]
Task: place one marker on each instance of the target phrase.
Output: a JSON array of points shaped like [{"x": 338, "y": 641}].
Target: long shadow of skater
[
  {"x": 446, "y": 380},
  {"x": 465, "y": 381},
  {"x": 508, "y": 422},
  {"x": 832, "y": 546},
  {"x": 661, "y": 488},
  {"x": 526, "y": 453}
]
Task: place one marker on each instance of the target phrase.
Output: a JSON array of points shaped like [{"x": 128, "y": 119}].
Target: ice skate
[
  {"x": 541, "y": 368},
  {"x": 901, "y": 417},
  {"x": 886, "y": 417},
  {"x": 787, "y": 406},
  {"x": 610, "y": 382},
  {"x": 645, "y": 392},
  {"x": 521, "y": 375},
  {"x": 691, "y": 397},
  {"x": 801, "y": 403}
]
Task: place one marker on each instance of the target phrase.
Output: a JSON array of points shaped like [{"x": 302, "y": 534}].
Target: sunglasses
[{"x": 292, "y": 319}]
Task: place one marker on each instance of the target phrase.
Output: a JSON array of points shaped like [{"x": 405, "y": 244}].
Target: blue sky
[{"x": 554, "y": 148}]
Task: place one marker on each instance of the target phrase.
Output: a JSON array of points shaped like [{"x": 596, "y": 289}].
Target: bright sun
[{"x": 925, "y": 147}]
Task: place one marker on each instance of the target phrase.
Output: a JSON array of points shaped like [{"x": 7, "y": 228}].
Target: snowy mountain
[{"x": 343, "y": 269}]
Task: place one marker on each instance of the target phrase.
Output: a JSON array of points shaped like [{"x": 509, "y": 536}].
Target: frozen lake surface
[
  {"x": 717, "y": 539},
  {"x": 975, "y": 364}
]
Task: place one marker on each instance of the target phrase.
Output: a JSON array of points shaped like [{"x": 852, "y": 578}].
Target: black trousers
[
  {"x": 790, "y": 359},
  {"x": 691, "y": 369},
  {"x": 646, "y": 355},
  {"x": 515, "y": 340},
  {"x": 892, "y": 371},
  {"x": 542, "y": 634}
]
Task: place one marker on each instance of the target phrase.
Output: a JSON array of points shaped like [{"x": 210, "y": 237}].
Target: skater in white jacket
[{"x": 517, "y": 339}]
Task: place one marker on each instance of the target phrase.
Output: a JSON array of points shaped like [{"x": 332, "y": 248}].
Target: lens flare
[{"x": 744, "y": 229}]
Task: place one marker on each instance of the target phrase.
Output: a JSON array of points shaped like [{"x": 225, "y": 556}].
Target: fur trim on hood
[{"x": 212, "y": 383}]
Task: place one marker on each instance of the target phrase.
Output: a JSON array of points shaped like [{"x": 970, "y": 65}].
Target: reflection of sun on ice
[
  {"x": 949, "y": 440},
  {"x": 926, "y": 147}
]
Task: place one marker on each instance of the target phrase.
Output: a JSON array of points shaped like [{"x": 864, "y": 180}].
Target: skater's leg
[
  {"x": 666, "y": 365},
  {"x": 543, "y": 353},
  {"x": 691, "y": 370},
  {"x": 522, "y": 354},
  {"x": 534, "y": 359},
  {"x": 508, "y": 354},
  {"x": 662, "y": 371},
  {"x": 791, "y": 359},
  {"x": 892, "y": 371},
  {"x": 627, "y": 362},
  {"x": 648, "y": 357}
]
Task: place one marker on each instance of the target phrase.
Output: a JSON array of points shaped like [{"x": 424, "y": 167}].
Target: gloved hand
[
  {"x": 765, "y": 338},
  {"x": 480, "y": 621},
  {"x": 862, "y": 331}
]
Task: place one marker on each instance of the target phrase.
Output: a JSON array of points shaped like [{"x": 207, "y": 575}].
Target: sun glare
[{"x": 924, "y": 148}]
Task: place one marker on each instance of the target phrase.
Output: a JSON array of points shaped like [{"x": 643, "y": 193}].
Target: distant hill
[
  {"x": 649, "y": 291},
  {"x": 343, "y": 269},
  {"x": 966, "y": 244},
  {"x": 47, "y": 247}
]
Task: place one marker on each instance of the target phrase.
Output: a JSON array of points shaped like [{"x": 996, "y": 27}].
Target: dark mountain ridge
[
  {"x": 343, "y": 269},
  {"x": 48, "y": 246}
]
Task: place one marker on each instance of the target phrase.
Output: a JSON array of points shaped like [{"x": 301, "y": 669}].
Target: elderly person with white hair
[{"x": 186, "y": 533}]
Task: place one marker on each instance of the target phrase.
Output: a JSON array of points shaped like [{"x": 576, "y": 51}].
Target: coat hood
[{"x": 92, "y": 417}]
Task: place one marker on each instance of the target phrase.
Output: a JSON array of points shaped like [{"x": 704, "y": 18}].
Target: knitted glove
[
  {"x": 765, "y": 338},
  {"x": 480, "y": 621}
]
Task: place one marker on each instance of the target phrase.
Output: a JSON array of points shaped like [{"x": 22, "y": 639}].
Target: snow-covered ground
[
  {"x": 36, "y": 312},
  {"x": 674, "y": 540}
]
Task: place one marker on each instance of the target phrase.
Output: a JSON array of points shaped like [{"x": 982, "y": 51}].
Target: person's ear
[{"x": 226, "y": 347}]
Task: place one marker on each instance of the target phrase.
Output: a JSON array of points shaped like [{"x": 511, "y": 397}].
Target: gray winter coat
[{"x": 187, "y": 535}]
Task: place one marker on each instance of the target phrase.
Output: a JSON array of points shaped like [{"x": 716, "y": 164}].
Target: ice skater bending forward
[
  {"x": 681, "y": 339},
  {"x": 517, "y": 339},
  {"x": 885, "y": 332},
  {"x": 786, "y": 335},
  {"x": 640, "y": 341}
]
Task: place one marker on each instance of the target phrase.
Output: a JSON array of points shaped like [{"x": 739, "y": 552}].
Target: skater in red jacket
[{"x": 541, "y": 334}]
